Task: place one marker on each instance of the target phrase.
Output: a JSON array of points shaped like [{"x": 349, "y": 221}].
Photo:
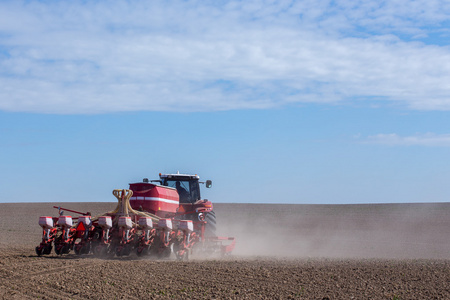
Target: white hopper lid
[
  {"x": 65, "y": 221},
  {"x": 46, "y": 222}
]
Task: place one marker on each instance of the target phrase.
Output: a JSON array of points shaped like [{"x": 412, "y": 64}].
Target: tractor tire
[{"x": 210, "y": 226}]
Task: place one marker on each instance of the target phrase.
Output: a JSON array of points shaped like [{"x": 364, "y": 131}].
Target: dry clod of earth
[{"x": 283, "y": 252}]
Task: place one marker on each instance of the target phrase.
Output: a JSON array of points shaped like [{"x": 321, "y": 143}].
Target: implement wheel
[
  {"x": 65, "y": 249},
  {"x": 142, "y": 251},
  {"x": 86, "y": 249},
  {"x": 77, "y": 249},
  {"x": 48, "y": 249},
  {"x": 39, "y": 250}
]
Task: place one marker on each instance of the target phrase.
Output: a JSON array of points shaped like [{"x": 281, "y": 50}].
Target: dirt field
[{"x": 392, "y": 251}]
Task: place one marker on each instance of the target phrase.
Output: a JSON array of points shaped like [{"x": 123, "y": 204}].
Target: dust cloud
[{"x": 390, "y": 231}]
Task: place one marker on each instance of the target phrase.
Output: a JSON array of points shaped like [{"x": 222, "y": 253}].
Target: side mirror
[{"x": 208, "y": 183}]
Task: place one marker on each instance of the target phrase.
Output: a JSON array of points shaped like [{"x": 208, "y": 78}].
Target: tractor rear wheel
[{"x": 210, "y": 226}]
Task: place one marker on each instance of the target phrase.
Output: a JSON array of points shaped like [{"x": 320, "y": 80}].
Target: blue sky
[{"x": 276, "y": 102}]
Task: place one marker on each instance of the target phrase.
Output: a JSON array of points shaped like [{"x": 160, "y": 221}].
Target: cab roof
[{"x": 178, "y": 175}]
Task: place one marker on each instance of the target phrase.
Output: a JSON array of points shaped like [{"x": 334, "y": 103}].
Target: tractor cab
[{"x": 186, "y": 185}]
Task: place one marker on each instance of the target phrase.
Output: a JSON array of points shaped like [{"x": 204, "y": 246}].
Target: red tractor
[{"x": 157, "y": 217}]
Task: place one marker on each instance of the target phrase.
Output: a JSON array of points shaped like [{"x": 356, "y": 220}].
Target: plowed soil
[{"x": 392, "y": 251}]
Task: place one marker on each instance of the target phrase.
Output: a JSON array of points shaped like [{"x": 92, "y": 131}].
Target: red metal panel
[{"x": 155, "y": 199}]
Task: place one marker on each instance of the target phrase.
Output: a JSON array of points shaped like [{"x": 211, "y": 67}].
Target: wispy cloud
[
  {"x": 427, "y": 139},
  {"x": 94, "y": 57}
]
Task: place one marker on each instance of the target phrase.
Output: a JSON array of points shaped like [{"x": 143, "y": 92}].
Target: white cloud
[
  {"x": 69, "y": 57},
  {"x": 427, "y": 139}
]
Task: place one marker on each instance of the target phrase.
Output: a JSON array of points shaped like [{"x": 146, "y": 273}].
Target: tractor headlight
[{"x": 201, "y": 217}]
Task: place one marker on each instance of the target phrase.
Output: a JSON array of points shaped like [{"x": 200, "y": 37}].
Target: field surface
[{"x": 386, "y": 251}]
